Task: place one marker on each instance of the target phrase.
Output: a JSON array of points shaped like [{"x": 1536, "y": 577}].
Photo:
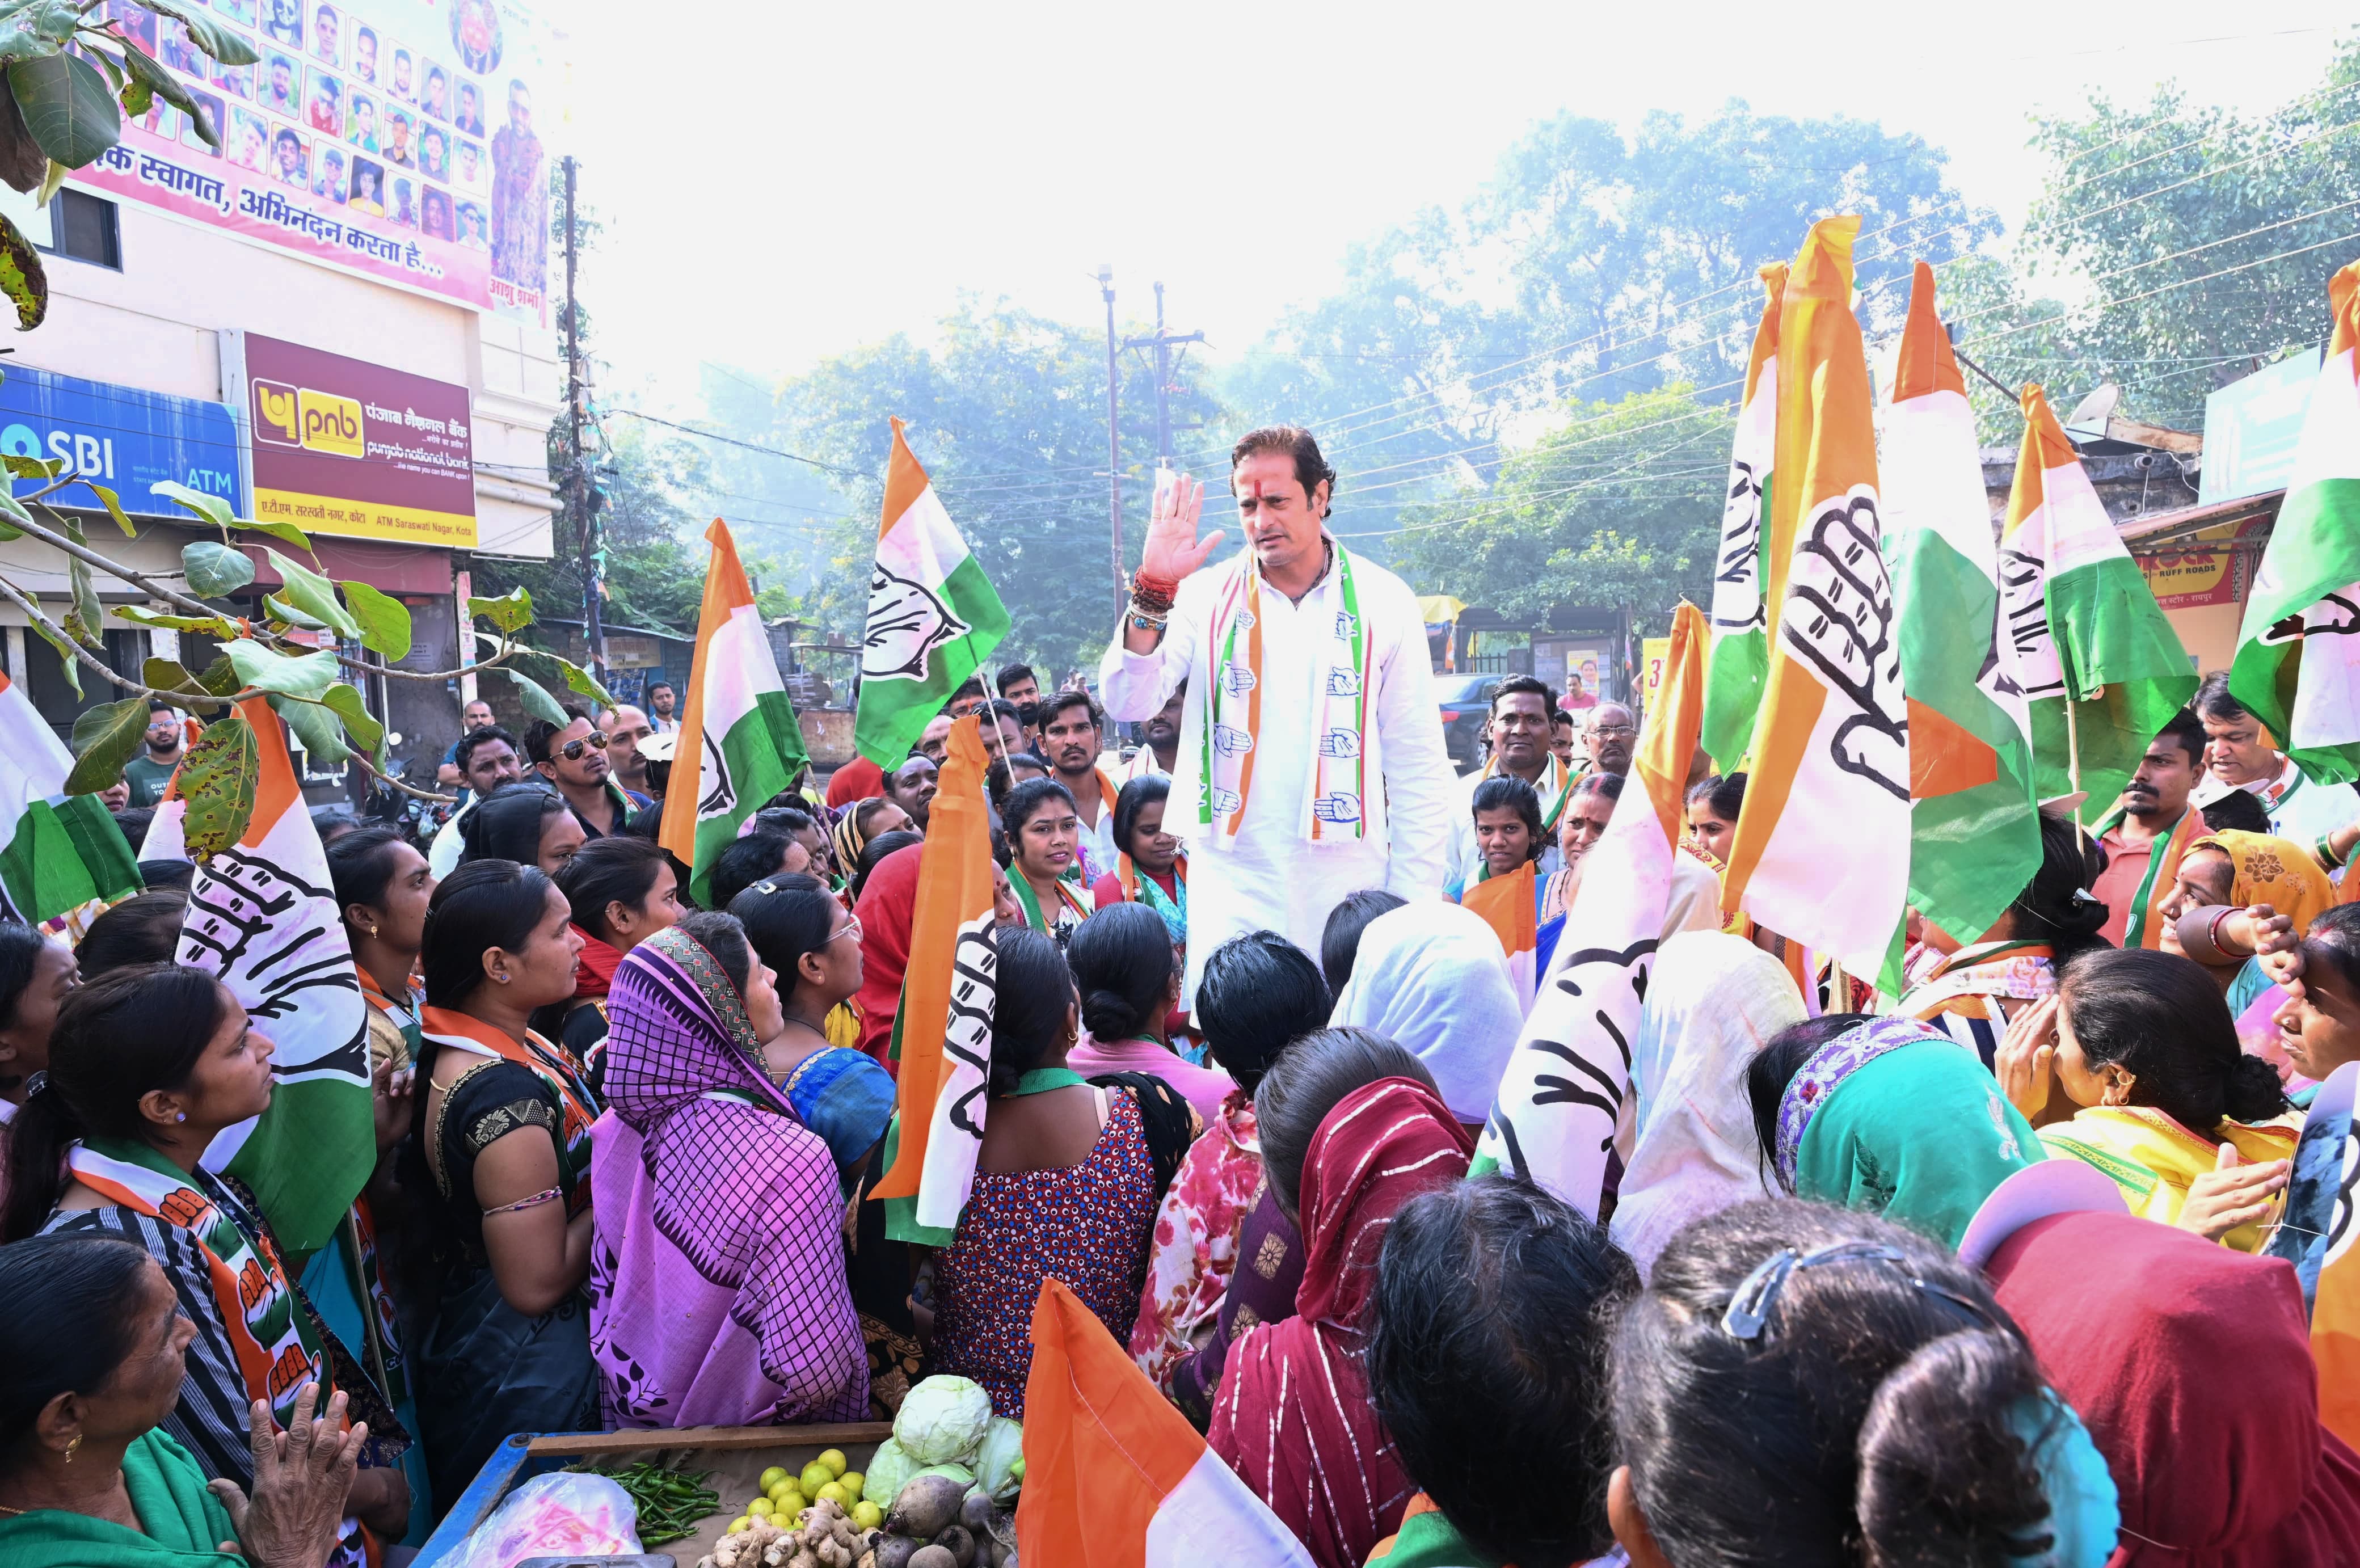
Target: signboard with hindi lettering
[
  {"x": 341, "y": 446},
  {"x": 2251, "y": 427},
  {"x": 394, "y": 138}
]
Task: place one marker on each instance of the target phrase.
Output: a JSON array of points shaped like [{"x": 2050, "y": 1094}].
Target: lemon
[
  {"x": 815, "y": 1475},
  {"x": 761, "y": 1507},
  {"x": 739, "y": 1525},
  {"x": 853, "y": 1481},
  {"x": 834, "y": 1492},
  {"x": 867, "y": 1516},
  {"x": 836, "y": 1462},
  {"x": 770, "y": 1479},
  {"x": 787, "y": 1502}
]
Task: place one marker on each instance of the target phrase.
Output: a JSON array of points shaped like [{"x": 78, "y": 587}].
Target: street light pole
[{"x": 1114, "y": 438}]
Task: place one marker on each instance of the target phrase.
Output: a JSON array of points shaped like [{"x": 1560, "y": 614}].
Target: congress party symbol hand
[{"x": 1173, "y": 549}]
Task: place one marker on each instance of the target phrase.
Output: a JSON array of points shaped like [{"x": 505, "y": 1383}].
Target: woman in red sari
[{"x": 1293, "y": 1417}]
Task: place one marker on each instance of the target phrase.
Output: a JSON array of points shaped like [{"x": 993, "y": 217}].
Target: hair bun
[
  {"x": 1943, "y": 1475},
  {"x": 2253, "y": 1093}
]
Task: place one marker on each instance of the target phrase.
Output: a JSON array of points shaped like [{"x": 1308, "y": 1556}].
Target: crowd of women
[{"x": 627, "y": 1148}]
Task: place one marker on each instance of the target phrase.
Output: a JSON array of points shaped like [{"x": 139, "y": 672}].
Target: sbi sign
[{"x": 121, "y": 437}]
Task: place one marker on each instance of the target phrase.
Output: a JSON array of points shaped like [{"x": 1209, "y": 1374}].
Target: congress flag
[
  {"x": 1563, "y": 1088},
  {"x": 2084, "y": 622},
  {"x": 739, "y": 743},
  {"x": 2316, "y": 1235},
  {"x": 1821, "y": 855},
  {"x": 1740, "y": 640},
  {"x": 942, "y": 1032},
  {"x": 1114, "y": 1476},
  {"x": 263, "y": 916},
  {"x": 1508, "y": 905},
  {"x": 1974, "y": 831},
  {"x": 2298, "y": 664},
  {"x": 60, "y": 851},
  {"x": 932, "y": 616}
]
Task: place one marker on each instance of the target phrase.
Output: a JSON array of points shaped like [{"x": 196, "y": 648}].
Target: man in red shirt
[{"x": 2152, "y": 805}]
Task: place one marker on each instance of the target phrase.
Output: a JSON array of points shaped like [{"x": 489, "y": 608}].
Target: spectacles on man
[
  {"x": 1624, "y": 731},
  {"x": 573, "y": 749}
]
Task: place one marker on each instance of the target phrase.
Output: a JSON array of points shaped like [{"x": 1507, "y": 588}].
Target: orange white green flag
[
  {"x": 739, "y": 741},
  {"x": 1974, "y": 828},
  {"x": 933, "y": 618},
  {"x": 1509, "y": 906},
  {"x": 1562, "y": 1090},
  {"x": 1740, "y": 638},
  {"x": 1821, "y": 855},
  {"x": 941, "y": 1033},
  {"x": 2298, "y": 664},
  {"x": 2085, "y": 621},
  {"x": 58, "y": 851},
  {"x": 1114, "y": 1476},
  {"x": 2316, "y": 1236},
  {"x": 263, "y": 916}
]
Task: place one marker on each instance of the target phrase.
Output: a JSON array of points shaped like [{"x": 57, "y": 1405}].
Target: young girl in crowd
[
  {"x": 525, "y": 824},
  {"x": 36, "y": 973},
  {"x": 496, "y": 1174},
  {"x": 147, "y": 1065},
  {"x": 1043, "y": 832},
  {"x": 1352, "y": 1128},
  {"x": 1801, "y": 1385},
  {"x": 621, "y": 891},
  {"x": 1713, "y": 805},
  {"x": 2318, "y": 1022},
  {"x": 2142, "y": 1042},
  {"x": 1149, "y": 867},
  {"x": 721, "y": 1295},
  {"x": 1259, "y": 994},
  {"x": 811, "y": 943},
  {"x": 1128, "y": 978},
  {"x": 1066, "y": 1184},
  {"x": 143, "y": 929}
]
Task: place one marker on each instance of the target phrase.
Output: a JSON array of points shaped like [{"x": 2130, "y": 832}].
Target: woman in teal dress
[{"x": 811, "y": 942}]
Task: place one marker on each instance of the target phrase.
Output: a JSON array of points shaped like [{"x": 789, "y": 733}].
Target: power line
[{"x": 733, "y": 440}]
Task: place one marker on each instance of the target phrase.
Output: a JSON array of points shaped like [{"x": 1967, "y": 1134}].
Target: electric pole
[
  {"x": 1164, "y": 344},
  {"x": 1114, "y": 440},
  {"x": 580, "y": 502}
]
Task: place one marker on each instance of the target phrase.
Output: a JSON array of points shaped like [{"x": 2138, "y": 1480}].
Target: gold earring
[
  {"x": 372, "y": 930},
  {"x": 72, "y": 1446}
]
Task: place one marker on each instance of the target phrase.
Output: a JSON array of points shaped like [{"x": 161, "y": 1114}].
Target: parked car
[{"x": 1465, "y": 704}]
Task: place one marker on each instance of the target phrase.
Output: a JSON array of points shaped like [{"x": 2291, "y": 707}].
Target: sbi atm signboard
[
  {"x": 341, "y": 446},
  {"x": 119, "y": 437}
]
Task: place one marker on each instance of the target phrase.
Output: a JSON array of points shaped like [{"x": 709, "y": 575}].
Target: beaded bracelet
[{"x": 537, "y": 1199}]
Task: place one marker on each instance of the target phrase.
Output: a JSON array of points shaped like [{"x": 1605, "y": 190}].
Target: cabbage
[
  {"x": 889, "y": 1467},
  {"x": 943, "y": 1419},
  {"x": 959, "y": 1473},
  {"x": 1003, "y": 1445}
]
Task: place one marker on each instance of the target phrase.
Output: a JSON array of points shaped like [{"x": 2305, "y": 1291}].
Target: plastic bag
[{"x": 562, "y": 1514}]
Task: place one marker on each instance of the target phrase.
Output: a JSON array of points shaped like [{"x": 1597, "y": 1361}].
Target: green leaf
[
  {"x": 65, "y": 655},
  {"x": 217, "y": 779},
  {"x": 287, "y": 531},
  {"x": 32, "y": 467},
  {"x": 19, "y": 41},
  {"x": 580, "y": 681},
  {"x": 314, "y": 596},
  {"x": 67, "y": 107},
  {"x": 53, "y": 180},
  {"x": 212, "y": 508},
  {"x": 104, "y": 739},
  {"x": 114, "y": 510},
  {"x": 219, "y": 627},
  {"x": 537, "y": 703},
  {"x": 87, "y": 619},
  {"x": 22, "y": 276},
  {"x": 359, "y": 724},
  {"x": 259, "y": 667},
  {"x": 170, "y": 675},
  {"x": 511, "y": 612},
  {"x": 223, "y": 44},
  {"x": 148, "y": 74},
  {"x": 221, "y": 678},
  {"x": 316, "y": 730},
  {"x": 214, "y": 569},
  {"x": 53, "y": 20},
  {"x": 286, "y": 614},
  {"x": 384, "y": 620}
]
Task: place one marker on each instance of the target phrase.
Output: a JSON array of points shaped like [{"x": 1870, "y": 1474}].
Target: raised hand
[
  {"x": 2024, "y": 1055},
  {"x": 1173, "y": 549},
  {"x": 301, "y": 1477}
]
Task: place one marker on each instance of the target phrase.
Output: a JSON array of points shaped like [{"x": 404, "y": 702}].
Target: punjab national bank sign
[{"x": 341, "y": 446}]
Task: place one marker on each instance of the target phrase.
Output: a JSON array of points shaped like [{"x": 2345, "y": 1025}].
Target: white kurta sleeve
[
  {"x": 1420, "y": 797},
  {"x": 1134, "y": 685}
]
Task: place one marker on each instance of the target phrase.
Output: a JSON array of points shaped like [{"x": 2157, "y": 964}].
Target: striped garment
[{"x": 211, "y": 1419}]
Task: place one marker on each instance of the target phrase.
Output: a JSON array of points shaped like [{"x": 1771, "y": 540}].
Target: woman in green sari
[{"x": 92, "y": 1348}]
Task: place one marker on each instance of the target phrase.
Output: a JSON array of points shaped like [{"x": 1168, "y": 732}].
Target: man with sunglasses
[{"x": 573, "y": 760}]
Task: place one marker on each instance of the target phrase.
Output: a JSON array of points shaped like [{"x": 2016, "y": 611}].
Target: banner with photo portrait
[{"x": 405, "y": 140}]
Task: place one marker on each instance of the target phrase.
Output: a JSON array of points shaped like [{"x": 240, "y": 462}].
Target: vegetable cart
[{"x": 736, "y": 1454}]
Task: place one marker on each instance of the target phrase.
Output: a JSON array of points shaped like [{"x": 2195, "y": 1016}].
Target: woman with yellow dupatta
[
  {"x": 2195, "y": 1132},
  {"x": 2223, "y": 876},
  {"x": 498, "y": 1172}
]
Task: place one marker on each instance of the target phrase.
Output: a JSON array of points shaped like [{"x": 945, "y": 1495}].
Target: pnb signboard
[
  {"x": 341, "y": 446},
  {"x": 122, "y": 438}
]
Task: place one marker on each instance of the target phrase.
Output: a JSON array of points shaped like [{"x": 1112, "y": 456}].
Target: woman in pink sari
[{"x": 717, "y": 1286}]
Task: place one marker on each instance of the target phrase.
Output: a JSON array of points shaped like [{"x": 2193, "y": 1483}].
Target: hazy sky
[{"x": 786, "y": 181}]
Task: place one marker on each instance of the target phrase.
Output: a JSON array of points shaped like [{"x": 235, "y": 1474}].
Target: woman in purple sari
[{"x": 718, "y": 1294}]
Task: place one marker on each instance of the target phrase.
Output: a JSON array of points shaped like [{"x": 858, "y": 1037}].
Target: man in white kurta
[{"x": 1273, "y": 874}]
